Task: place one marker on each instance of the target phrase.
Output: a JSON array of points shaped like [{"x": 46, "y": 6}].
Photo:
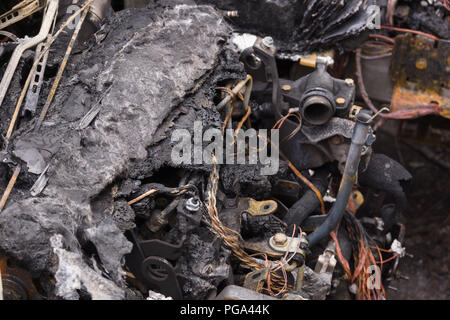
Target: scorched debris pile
[{"x": 94, "y": 205}]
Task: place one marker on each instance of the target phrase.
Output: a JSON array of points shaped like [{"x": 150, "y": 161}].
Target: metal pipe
[
  {"x": 359, "y": 138},
  {"x": 27, "y": 44}
]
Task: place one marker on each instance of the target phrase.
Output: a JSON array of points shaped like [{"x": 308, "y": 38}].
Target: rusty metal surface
[
  {"x": 17, "y": 283},
  {"x": 420, "y": 69}
]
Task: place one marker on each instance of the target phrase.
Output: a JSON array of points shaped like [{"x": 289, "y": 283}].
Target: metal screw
[
  {"x": 267, "y": 42},
  {"x": 280, "y": 239},
  {"x": 192, "y": 204}
]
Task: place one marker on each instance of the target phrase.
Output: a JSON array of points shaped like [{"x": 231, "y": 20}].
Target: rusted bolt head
[
  {"x": 286, "y": 87},
  {"x": 340, "y": 101},
  {"x": 349, "y": 81},
  {"x": 280, "y": 239}
]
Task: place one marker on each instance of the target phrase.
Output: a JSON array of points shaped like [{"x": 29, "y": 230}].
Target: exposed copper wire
[
  {"x": 232, "y": 239},
  {"x": 410, "y": 31},
  {"x": 381, "y": 36},
  {"x": 233, "y": 105},
  {"x": 9, "y": 187}
]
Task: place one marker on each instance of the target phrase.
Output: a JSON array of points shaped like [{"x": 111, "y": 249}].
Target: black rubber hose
[
  {"x": 359, "y": 138},
  {"x": 303, "y": 208}
]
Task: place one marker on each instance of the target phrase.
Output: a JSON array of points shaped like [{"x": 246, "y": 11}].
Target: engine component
[
  {"x": 112, "y": 215},
  {"x": 325, "y": 101},
  {"x": 16, "y": 283},
  {"x": 149, "y": 262},
  {"x": 298, "y": 26},
  {"x": 359, "y": 140},
  {"x": 37, "y": 79},
  {"x": 319, "y": 96},
  {"x": 420, "y": 72}
]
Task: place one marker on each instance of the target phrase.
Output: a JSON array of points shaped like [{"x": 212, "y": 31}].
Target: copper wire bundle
[{"x": 276, "y": 284}]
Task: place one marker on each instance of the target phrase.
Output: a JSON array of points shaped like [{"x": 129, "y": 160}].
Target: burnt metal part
[
  {"x": 420, "y": 71},
  {"x": 297, "y": 25},
  {"x": 310, "y": 147},
  {"x": 20, "y": 11},
  {"x": 150, "y": 262},
  {"x": 254, "y": 280},
  {"x": 428, "y": 19},
  {"x": 359, "y": 139},
  {"x": 130, "y": 96},
  {"x": 47, "y": 23},
  {"x": 36, "y": 82}
]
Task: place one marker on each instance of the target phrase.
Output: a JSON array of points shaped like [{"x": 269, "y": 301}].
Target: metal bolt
[
  {"x": 349, "y": 82},
  {"x": 192, "y": 204},
  {"x": 267, "y": 42},
  {"x": 280, "y": 239},
  {"x": 340, "y": 101},
  {"x": 286, "y": 87}
]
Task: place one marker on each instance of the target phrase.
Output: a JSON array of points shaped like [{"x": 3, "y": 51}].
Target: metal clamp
[
  {"x": 260, "y": 208},
  {"x": 282, "y": 243}
]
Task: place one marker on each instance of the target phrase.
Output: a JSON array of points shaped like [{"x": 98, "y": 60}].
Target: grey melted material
[{"x": 151, "y": 59}]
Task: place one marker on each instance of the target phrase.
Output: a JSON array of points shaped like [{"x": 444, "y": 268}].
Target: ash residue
[{"x": 150, "y": 60}]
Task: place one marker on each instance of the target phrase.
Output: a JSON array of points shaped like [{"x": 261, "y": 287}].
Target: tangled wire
[{"x": 276, "y": 284}]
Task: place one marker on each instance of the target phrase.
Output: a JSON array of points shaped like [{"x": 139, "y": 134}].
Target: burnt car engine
[{"x": 219, "y": 150}]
